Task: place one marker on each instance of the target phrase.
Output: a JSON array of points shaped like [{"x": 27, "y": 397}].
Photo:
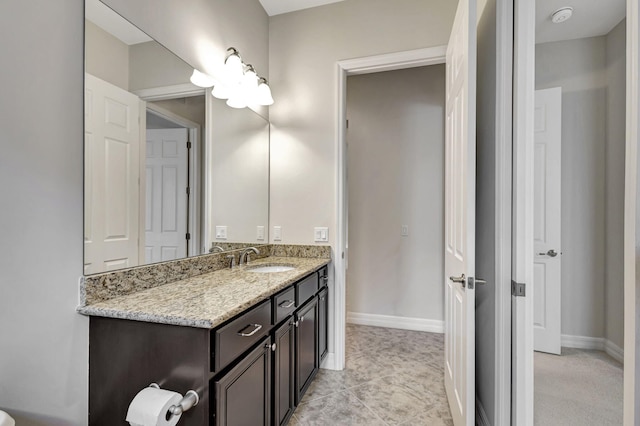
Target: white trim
[
  {"x": 389, "y": 321},
  {"x": 630, "y": 210},
  {"x": 522, "y": 236},
  {"x": 329, "y": 362},
  {"x": 614, "y": 351},
  {"x": 594, "y": 343},
  {"x": 504, "y": 188},
  {"x": 399, "y": 60},
  {"x": 185, "y": 90},
  {"x": 481, "y": 415}
]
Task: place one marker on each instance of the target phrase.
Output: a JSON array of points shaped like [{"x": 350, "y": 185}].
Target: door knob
[{"x": 550, "y": 253}]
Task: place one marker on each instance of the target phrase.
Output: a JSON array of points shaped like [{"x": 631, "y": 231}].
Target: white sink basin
[{"x": 271, "y": 268}]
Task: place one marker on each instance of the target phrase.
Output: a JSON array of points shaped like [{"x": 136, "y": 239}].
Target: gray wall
[
  {"x": 44, "y": 355},
  {"x": 152, "y": 65},
  {"x": 592, "y": 195},
  {"x": 614, "y": 189},
  {"x": 396, "y": 167},
  {"x": 309, "y": 43},
  {"x": 106, "y": 57}
]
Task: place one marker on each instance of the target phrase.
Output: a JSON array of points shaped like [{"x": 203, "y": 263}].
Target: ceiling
[
  {"x": 590, "y": 18},
  {"x": 111, "y": 22},
  {"x": 277, "y": 7}
]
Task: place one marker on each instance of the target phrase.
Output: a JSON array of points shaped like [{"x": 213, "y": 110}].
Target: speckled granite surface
[
  {"x": 106, "y": 286},
  {"x": 206, "y": 300}
]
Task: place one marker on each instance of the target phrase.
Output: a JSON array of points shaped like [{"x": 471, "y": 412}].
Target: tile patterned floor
[{"x": 392, "y": 377}]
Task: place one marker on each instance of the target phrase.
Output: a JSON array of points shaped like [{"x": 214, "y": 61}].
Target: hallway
[{"x": 392, "y": 377}]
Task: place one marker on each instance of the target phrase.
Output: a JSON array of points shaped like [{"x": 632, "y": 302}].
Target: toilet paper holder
[{"x": 188, "y": 401}]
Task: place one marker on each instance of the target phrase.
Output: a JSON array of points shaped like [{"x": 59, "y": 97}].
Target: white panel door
[
  {"x": 547, "y": 265},
  {"x": 460, "y": 159},
  {"x": 166, "y": 195},
  {"x": 112, "y": 145}
]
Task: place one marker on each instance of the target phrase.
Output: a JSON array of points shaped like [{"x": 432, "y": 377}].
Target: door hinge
[
  {"x": 347, "y": 124},
  {"x": 188, "y": 145},
  {"x": 188, "y": 190},
  {"x": 188, "y": 236},
  {"x": 518, "y": 289}
]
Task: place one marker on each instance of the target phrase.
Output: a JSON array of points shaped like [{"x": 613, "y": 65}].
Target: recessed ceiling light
[{"x": 561, "y": 15}]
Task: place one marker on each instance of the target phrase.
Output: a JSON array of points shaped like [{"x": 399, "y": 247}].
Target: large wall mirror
[{"x": 170, "y": 171}]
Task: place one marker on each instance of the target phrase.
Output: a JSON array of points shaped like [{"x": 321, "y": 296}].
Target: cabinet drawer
[
  {"x": 236, "y": 337},
  {"x": 284, "y": 303},
  {"x": 306, "y": 289}
]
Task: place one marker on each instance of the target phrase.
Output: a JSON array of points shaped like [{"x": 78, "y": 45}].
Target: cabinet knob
[{"x": 271, "y": 346}]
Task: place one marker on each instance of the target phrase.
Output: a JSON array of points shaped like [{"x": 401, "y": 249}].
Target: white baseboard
[
  {"x": 481, "y": 415},
  {"x": 329, "y": 362},
  {"x": 595, "y": 343},
  {"x": 404, "y": 323}
]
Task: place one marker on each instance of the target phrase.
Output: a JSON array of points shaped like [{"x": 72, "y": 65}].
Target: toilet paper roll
[{"x": 150, "y": 407}]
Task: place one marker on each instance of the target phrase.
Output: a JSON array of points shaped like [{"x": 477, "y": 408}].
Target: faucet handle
[{"x": 232, "y": 263}]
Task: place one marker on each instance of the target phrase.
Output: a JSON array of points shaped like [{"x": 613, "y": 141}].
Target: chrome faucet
[
  {"x": 244, "y": 256},
  {"x": 214, "y": 248}
]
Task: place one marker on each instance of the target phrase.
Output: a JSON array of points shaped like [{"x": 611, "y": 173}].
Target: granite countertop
[{"x": 207, "y": 300}]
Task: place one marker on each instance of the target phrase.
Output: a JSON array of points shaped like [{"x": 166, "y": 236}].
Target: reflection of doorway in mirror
[{"x": 166, "y": 195}]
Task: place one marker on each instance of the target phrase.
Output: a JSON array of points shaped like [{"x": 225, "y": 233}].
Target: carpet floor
[{"x": 579, "y": 387}]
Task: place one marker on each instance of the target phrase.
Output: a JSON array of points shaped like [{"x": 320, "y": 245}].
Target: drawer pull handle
[
  {"x": 287, "y": 304},
  {"x": 257, "y": 328}
]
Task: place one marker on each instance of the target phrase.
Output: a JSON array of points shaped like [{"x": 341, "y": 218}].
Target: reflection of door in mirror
[{"x": 112, "y": 146}]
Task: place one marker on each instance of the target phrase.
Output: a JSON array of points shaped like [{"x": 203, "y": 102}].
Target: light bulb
[
  {"x": 201, "y": 79},
  {"x": 263, "y": 93},
  {"x": 233, "y": 66},
  {"x": 237, "y": 101},
  {"x": 221, "y": 91}
]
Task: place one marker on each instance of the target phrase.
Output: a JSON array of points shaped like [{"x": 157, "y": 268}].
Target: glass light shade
[
  {"x": 221, "y": 91},
  {"x": 237, "y": 101},
  {"x": 263, "y": 94},
  {"x": 233, "y": 68},
  {"x": 201, "y": 79}
]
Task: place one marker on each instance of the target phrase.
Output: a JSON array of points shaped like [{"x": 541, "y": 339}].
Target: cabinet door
[
  {"x": 323, "y": 325},
  {"x": 243, "y": 395},
  {"x": 283, "y": 373},
  {"x": 306, "y": 346}
]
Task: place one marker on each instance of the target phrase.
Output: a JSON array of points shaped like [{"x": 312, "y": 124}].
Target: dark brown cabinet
[
  {"x": 283, "y": 373},
  {"x": 307, "y": 360},
  {"x": 251, "y": 370},
  {"x": 243, "y": 395}
]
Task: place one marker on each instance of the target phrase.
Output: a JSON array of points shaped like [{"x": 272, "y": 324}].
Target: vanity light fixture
[
  {"x": 242, "y": 85},
  {"x": 201, "y": 79}
]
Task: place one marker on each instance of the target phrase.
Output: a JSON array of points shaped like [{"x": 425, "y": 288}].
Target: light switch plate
[
  {"x": 260, "y": 233},
  {"x": 405, "y": 230},
  {"x": 221, "y": 232},
  {"x": 321, "y": 234},
  {"x": 277, "y": 233}
]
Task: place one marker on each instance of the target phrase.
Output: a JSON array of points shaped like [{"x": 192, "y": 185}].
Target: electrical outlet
[
  {"x": 405, "y": 230},
  {"x": 277, "y": 233},
  {"x": 221, "y": 232},
  {"x": 260, "y": 233},
  {"x": 321, "y": 234}
]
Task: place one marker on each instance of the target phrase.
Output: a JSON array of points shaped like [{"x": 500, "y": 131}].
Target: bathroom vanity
[{"x": 249, "y": 343}]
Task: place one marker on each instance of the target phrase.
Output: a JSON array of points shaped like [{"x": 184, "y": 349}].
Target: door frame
[
  {"x": 364, "y": 65},
  {"x": 524, "y": 86},
  {"x": 195, "y": 167}
]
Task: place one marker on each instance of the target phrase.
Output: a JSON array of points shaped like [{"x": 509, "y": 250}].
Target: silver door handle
[
  {"x": 550, "y": 253},
  {"x": 257, "y": 328},
  {"x": 461, "y": 279},
  {"x": 480, "y": 282}
]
